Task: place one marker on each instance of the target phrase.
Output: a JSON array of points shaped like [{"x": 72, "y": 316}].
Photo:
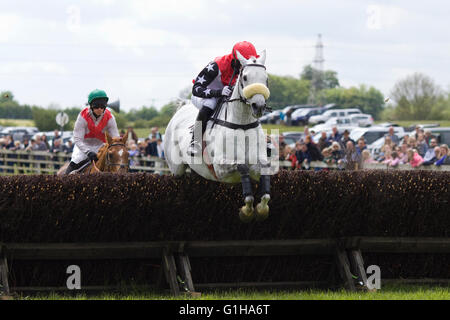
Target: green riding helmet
[{"x": 97, "y": 94}]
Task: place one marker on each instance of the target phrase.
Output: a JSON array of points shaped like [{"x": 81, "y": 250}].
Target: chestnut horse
[{"x": 112, "y": 157}]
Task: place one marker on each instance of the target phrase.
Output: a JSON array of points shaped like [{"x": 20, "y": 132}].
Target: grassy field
[
  {"x": 388, "y": 292},
  {"x": 16, "y": 123}
]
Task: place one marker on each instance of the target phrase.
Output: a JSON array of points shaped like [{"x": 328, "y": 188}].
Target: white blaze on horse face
[
  {"x": 254, "y": 80},
  {"x": 120, "y": 152}
]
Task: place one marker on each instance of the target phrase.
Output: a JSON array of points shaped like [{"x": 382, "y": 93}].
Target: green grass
[
  {"x": 16, "y": 123},
  {"x": 388, "y": 292}
]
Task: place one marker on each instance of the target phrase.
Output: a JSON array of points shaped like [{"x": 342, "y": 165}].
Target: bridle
[
  {"x": 230, "y": 125},
  {"x": 108, "y": 158},
  {"x": 241, "y": 85}
]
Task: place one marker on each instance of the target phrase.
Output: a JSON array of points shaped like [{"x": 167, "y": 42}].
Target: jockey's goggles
[{"x": 98, "y": 106}]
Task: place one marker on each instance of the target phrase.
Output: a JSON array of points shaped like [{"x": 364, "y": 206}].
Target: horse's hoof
[
  {"x": 262, "y": 212},
  {"x": 262, "y": 209},
  {"x": 246, "y": 215}
]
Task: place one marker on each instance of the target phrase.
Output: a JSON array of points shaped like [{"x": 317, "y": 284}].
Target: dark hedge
[{"x": 146, "y": 207}]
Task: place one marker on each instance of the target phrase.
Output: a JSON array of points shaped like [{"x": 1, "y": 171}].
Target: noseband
[
  {"x": 243, "y": 99},
  {"x": 108, "y": 158}
]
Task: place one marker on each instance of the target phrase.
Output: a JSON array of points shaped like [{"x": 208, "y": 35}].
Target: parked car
[
  {"x": 375, "y": 146},
  {"x": 341, "y": 123},
  {"x": 372, "y": 134},
  {"x": 265, "y": 117},
  {"x": 274, "y": 117},
  {"x": 293, "y": 135},
  {"x": 67, "y": 135},
  {"x": 442, "y": 134},
  {"x": 19, "y": 133},
  {"x": 286, "y": 113},
  {"x": 362, "y": 120},
  {"x": 301, "y": 116},
  {"x": 331, "y": 113}
]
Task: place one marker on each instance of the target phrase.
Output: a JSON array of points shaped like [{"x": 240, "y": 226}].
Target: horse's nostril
[{"x": 253, "y": 105}]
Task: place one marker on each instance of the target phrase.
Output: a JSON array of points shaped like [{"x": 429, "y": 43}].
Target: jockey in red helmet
[{"x": 212, "y": 83}]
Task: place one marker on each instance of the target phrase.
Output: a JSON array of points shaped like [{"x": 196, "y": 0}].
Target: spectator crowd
[
  {"x": 138, "y": 149},
  {"x": 418, "y": 149}
]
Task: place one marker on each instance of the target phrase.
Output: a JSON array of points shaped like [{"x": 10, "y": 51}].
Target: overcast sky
[{"x": 145, "y": 52}]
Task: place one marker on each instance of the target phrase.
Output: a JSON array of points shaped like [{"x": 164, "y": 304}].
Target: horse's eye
[{"x": 245, "y": 78}]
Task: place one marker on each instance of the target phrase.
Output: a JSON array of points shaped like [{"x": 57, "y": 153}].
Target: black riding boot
[
  {"x": 72, "y": 166},
  {"x": 202, "y": 120}
]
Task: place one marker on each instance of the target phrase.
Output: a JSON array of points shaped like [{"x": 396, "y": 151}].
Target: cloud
[
  {"x": 384, "y": 17},
  {"x": 24, "y": 68},
  {"x": 193, "y": 10},
  {"x": 127, "y": 34},
  {"x": 9, "y": 24},
  {"x": 142, "y": 50}
]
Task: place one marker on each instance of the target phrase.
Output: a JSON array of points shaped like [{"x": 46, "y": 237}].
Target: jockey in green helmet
[{"x": 89, "y": 130}]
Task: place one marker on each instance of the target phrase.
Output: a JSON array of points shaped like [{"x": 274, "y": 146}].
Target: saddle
[{"x": 80, "y": 166}]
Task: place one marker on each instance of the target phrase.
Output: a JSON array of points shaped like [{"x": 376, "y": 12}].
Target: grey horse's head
[{"x": 253, "y": 82}]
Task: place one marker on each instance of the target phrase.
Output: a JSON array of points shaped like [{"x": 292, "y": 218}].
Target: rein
[{"x": 220, "y": 104}]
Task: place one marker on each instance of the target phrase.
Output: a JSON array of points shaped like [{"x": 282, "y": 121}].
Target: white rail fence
[{"x": 41, "y": 162}]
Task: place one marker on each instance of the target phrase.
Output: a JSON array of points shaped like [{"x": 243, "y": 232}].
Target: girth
[{"x": 237, "y": 126}]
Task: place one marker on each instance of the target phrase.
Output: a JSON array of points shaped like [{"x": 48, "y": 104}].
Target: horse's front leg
[
  {"x": 246, "y": 213},
  {"x": 262, "y": 209}
]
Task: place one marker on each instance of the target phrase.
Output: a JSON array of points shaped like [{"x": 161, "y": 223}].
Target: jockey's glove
[
  {"x": 92, "y": 156},
  {"x": 226, "y": 91}
]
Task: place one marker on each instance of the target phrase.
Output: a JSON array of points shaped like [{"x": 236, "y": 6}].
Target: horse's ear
[
  {"x": 241, "y": 58},
  {"x": 262, "y": 57},
  {"x": 108, "y": 138},
  {"x": 125, "y": 137}
]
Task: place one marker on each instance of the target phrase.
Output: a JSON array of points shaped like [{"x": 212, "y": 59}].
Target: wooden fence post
[
  {"x": 170, "y": 271},
  {"x": 4, "y": 272},
  {"x": 357, "y": 264},
  {"x": 185, "y": 270},
  {"x": 343, "y": 266}
]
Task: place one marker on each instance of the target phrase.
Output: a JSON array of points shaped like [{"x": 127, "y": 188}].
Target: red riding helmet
[{"x": 246, "y": 49}]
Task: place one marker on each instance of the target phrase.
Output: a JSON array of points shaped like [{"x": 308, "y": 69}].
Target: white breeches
[{"x": 78, "y": 155}]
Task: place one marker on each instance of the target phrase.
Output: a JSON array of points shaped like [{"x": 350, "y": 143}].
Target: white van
[{"x": 322, "y": 118}]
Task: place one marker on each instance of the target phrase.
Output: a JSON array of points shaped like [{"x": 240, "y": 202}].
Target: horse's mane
[
  {"x": 181, "y": 103},
  {"x": 101, "y": 154}
]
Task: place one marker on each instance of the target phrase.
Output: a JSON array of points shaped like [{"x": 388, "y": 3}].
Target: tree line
[{"x": 415, "y": 97}]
